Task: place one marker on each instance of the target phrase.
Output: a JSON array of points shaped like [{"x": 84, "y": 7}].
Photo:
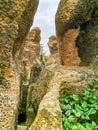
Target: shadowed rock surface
[
  {"x": 30, "y": 53},
  {"x": 15, "y": 20}
]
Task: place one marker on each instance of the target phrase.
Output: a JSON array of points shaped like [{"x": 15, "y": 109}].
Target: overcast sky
[{"x": 45, "y": 20}]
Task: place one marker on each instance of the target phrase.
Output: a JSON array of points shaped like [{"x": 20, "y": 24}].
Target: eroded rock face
[
  {"x": 53, "y": 45},
  {"x": 69, "y": 54},
  {"x": 30, "y": 53},
  {"x": 72, "y": 14},
  {"x": 53, "y": 60},
  {"x": 31, "y": 47},
  {"x": 13, "y": 28}
]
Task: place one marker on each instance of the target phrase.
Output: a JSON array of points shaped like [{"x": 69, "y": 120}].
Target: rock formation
[
  {"x": 69, "y": 49},
  {"x": 71, "y": 15},
  {"x": 31, "y": 51},
  {"x": 15, "y": 20},
  {"x": 72, "y": 80},
  {"x": 52, "y": 44},
  {"x": 53, "y": 60},
  {"x": 76, "y": 36}
]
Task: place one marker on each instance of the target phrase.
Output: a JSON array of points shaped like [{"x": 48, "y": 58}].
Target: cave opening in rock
[{"x": 21, "y": 118}]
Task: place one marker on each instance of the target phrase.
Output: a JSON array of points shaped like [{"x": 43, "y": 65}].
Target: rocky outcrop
[
  {"x": 71, "y": 15},
  {"x": 73, "y": 81},
  {"x": 53, "y": 60},
  {"x": 30, "y": 53},
  {"x": 53, "y": 45},
  {"x": 15, "y": 20}
]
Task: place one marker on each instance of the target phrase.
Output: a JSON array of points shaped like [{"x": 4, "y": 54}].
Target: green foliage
[
  {"x": 78, "y": 110},
  {"x": 43, "y": 60}
]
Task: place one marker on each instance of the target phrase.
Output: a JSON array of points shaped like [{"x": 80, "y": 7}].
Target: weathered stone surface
[
  {"x": 69, "y": 49},
  {"x": 31, "y": 48},
  {"x": 53, "y": 45},
  {"x": 15, "y": 20},
  {"x": 30, "y": 53},
  {"x": 40, "y": 88},
  {"x": 53, "y": 60},
  {"x": 72, "y": 80},
  {"x": 72, "y": 14}
]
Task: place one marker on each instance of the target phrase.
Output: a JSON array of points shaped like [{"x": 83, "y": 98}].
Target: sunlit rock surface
[{"x": 53, "y": 60}]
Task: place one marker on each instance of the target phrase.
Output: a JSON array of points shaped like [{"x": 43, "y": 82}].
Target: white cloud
[{"x": 45, "y": 20}]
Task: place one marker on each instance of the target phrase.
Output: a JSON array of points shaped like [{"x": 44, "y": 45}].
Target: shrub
[{"x": 78, "y": 110}]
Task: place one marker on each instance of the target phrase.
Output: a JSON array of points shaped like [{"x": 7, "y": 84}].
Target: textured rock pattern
[
  {"x": 30, "y": 53},
  {"x": 31, "y": 47},
  {"x": 71, "y": 80},
  {"x": 72, "y": 14},
  {"x": 13, "y": 21},
  {"x": 53, "y": 60},
  {"x": 69, "y": 52},
  {"x": 53, "y": 45},
  {"x": 40, "y": 88}
]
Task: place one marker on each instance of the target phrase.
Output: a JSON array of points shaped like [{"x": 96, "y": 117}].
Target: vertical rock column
[
  {"x": 12, "y": 23},
  {"x": 53, "y": 60},
  {"x": 30, "y": 54}
]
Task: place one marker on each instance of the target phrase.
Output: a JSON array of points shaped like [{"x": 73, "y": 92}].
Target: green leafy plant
[{"x": 78, "y": 110}]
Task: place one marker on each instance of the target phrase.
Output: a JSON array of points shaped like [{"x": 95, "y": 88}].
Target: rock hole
[{"x": 21, "y": 118}]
